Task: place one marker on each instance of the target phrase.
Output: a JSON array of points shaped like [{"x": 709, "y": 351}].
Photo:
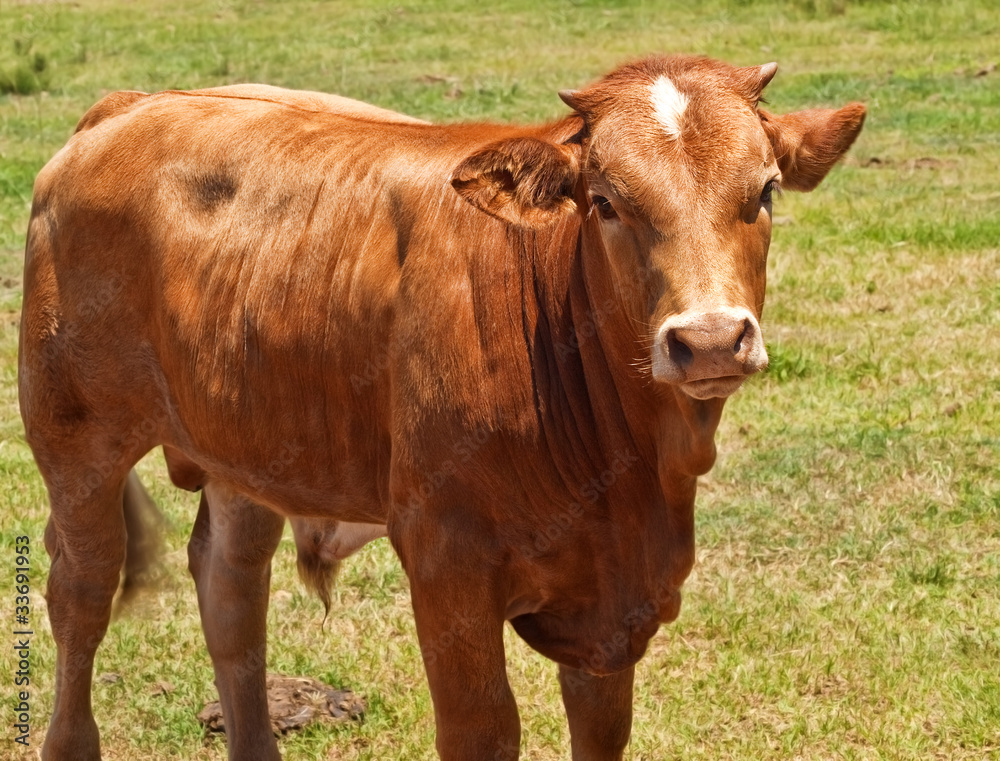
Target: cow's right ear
[
  {"x": 525, "y": 181},
  {"x": 808, "y": 143}
]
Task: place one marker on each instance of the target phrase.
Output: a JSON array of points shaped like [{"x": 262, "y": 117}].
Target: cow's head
[{"x": 674, "y": 174}]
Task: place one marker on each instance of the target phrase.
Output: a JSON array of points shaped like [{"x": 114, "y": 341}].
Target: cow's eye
[
  {"x": 766, "y": 196},
  {"x": 604, "y": 207}
]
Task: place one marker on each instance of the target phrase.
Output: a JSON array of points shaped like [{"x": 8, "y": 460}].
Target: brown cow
[{"x": 512, "y": 345}]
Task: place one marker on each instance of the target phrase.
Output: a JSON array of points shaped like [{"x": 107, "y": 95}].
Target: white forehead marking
[{"x": 668, "y": 105}]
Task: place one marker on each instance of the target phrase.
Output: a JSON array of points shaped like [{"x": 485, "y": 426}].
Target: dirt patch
[
  {"x": 454, "y": 90},
  {"x": 924, "y": 162},
  {"x": 982, "y": 71},
  {"x": 293, "y": 702}
]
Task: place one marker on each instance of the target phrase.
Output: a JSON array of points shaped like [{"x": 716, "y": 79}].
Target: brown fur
[
  {"x": 339, "y": 314},
  {"x": 807, "y": 143},
  {"x": 108, "y": 107}
]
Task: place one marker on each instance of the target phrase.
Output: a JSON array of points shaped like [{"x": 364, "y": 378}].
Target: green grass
[{"x": 844, "y": 604}]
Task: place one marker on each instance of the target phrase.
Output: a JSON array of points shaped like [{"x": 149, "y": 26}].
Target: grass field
[{"x": 846, "y": 599}]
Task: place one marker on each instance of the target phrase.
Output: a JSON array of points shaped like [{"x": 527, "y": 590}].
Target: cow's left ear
[
  {"x": 808, "y": 143},
  {"x": 524, "y": 180}
]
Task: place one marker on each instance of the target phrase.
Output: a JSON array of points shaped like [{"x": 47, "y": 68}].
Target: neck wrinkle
[
  {"x": 564, "y": 410},
  {"x": 590, "y": 401}
]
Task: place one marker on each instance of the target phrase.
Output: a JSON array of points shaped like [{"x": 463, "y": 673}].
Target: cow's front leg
[
  {"x": 460, "y": 626},
  {"x": 229, "y": 556},
  {"x": 599, "y": 709}
]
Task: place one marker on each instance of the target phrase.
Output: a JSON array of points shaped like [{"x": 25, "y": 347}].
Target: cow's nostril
[
  {"x": 678, "y": 351},
  {"x": 739, "y": 341}
]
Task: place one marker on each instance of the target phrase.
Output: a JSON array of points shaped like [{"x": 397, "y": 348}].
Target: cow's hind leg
[
  {"x": 229, "y": 556},
  {"x": 85, "y": 538},
  {"x": 599, "y": 709}
]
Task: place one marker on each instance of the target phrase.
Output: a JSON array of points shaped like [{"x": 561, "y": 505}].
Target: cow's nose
[{"x": 709, "y": 353}]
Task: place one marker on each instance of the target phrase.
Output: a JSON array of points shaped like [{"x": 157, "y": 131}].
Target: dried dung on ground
[{"x": 293, "y": 702}]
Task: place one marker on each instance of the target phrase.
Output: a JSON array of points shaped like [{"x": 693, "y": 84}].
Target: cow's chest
[{"x": 592, "y": 596}]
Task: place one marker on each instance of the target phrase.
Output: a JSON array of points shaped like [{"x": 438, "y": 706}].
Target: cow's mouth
[{"x": 711, "y": 388}]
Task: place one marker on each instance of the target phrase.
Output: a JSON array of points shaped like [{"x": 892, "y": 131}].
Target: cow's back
[
  {"x": 311, "y": 101},
  {"x": 121, "y": 101}
]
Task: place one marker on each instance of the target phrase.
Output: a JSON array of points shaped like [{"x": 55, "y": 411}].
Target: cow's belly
[
  {"x": 294, "y": 445},
  {"x": 295, "y": 480},
  {"x": 288, "y": 431}
]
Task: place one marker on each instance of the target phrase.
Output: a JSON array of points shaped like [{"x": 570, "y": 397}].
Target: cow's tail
[
  {"x": 143, "y": 525},
  {"x": 322, "y": 543},
  {"x": 317, "y": 569}
]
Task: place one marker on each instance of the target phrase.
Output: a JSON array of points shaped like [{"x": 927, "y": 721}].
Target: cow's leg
[
  {"x": 599, "y": 709},
  {"x": 85, "y": 538},
  {"x": 229, "y": 556},
  {"x": 460, "y": 627}
]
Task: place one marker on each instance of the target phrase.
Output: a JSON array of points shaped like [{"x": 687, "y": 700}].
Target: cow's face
[{"x": 674, "y": 174}]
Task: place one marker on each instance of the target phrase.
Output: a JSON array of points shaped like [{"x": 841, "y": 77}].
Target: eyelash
[
  {"x": 604, "y": 207},
  {"x": 767, "y": 195}
]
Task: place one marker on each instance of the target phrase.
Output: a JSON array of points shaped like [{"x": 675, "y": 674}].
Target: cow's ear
[
  {"x": 525, "y": 181},
  {"x": 808, "y": 143}
]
